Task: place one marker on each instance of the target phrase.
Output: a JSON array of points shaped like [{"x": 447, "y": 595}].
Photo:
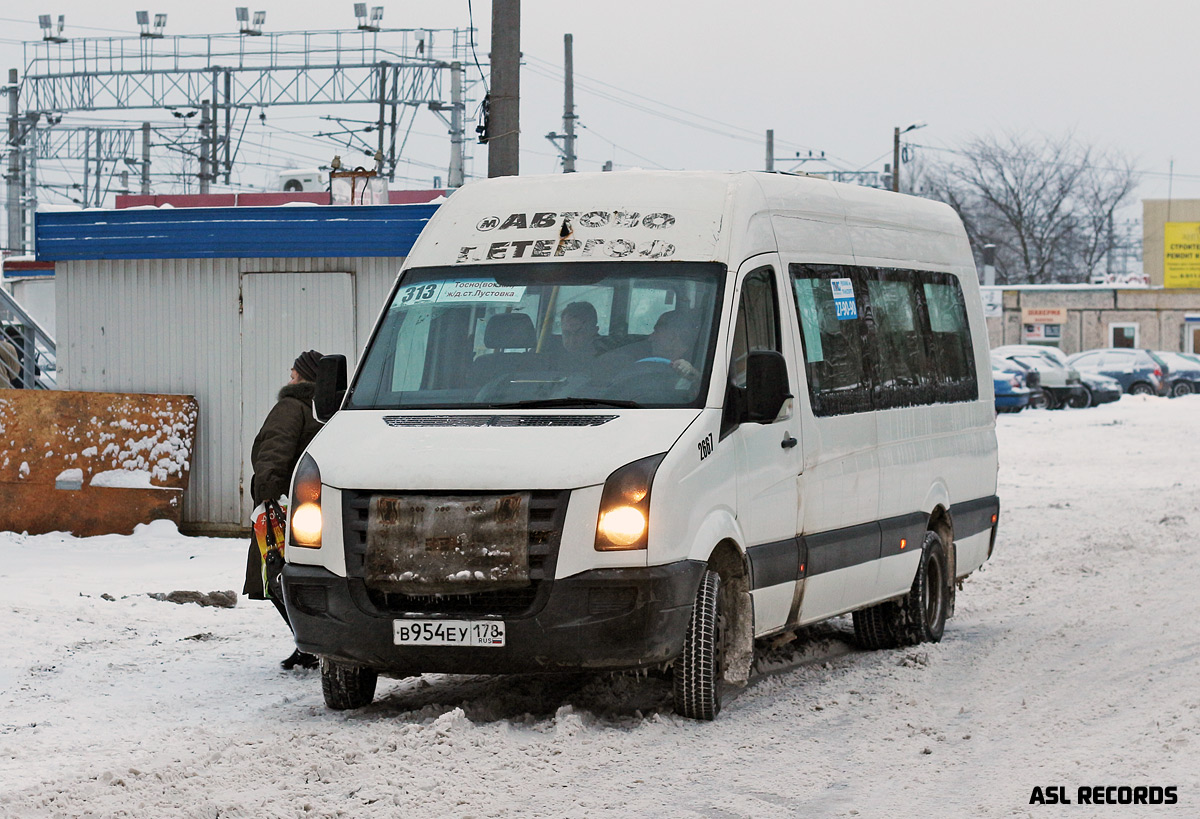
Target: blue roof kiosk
[{"x": 216, "y": 303}]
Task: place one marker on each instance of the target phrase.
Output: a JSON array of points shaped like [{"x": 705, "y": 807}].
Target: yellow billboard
[{"x": 1181, "y": 254}]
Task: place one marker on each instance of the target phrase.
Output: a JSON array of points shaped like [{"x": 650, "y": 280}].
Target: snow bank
[{"x": 1070, "y": 660}]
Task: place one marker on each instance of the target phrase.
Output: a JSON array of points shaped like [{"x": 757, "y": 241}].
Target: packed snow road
[{"x": 1072, "y": 661}]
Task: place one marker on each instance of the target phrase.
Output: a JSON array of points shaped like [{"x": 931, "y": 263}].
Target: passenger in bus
[{"x": 580, "y": 331}]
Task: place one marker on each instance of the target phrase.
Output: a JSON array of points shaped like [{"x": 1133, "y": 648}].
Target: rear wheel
[
  {"x": 347, "y": 686},
  {"x": 1141, "y": 388},
  {"x": 1039, "y": 400},
  {"x": 1182, "y": 388},
  {"x": 919, "y": 616},
  {"x": 1080, "y": 400},
  {"x": 698, "y": 672}
]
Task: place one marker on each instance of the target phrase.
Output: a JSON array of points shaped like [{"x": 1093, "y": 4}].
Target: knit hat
[{"x": 306, "y": 365}]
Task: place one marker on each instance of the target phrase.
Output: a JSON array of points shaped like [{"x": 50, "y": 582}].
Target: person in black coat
[{"x": 282, "y": 439}]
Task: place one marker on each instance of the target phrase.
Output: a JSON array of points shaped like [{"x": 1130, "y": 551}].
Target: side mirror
[
  {"x": 331, "y": 386},
  {"x": 766, "y": 386}
]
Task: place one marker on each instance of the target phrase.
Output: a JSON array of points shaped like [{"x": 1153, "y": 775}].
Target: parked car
[
  {"x": 1097, "y": 389},
  {"x": 1139, "y": 371},
  {"x": 1029, "y": 378},
  {"x": 1183, "y": 377},
  {"x": 1053, "y": 353},
  {"x": 1058, "y": 383},
  {"x": 1011, "y": 393}
]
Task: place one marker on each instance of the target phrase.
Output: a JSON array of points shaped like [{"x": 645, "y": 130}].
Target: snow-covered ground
[{"x": 1073, "y": 659}]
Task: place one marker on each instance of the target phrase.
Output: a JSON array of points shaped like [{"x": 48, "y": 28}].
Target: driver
[
  {"x": 669, "y": 345},
  {"x": 674, "y": 337}
]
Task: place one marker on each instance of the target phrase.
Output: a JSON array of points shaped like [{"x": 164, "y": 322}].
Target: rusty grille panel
[{"x": 547, "y": 511}]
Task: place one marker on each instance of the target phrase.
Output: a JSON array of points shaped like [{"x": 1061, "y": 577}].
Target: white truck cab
[{"x": 638, "y": 420}]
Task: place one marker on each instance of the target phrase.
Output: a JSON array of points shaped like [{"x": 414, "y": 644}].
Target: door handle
[{"x": 788, "y": 441}]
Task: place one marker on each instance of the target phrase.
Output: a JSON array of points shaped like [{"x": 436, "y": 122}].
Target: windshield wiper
[{"x": 567, "y": 402}]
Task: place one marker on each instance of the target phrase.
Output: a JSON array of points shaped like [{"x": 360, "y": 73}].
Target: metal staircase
[{"x": 28, "y": 358}]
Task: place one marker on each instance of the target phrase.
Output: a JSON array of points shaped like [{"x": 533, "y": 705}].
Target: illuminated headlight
[
  {"x": 623, "y": 526},
  {"x": 624, "y": 520},
  {"x": 306, "y": 525},
  {"x": 305, "y": 519}
]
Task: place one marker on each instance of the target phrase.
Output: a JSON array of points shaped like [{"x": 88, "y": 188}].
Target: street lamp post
[{"x": 896, "y": 152}]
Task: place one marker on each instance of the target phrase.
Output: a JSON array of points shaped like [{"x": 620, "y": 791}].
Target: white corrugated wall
[{"x": 174, "y": 326}]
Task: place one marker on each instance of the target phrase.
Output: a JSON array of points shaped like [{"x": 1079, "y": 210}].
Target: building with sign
[
  {"x": 1171, "y": 242},
  {"x": 1085, "y": 317}
]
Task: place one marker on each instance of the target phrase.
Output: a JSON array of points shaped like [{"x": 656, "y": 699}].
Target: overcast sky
[{"x": 695, "y": 85}]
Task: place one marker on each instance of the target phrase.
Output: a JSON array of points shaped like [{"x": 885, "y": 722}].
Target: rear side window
[
  {"x": 902, "y": 364},
  {"x": 878, "y": 338},
  {"x": 832, "y": 332}
]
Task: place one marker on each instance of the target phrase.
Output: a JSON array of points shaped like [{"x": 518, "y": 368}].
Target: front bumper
[{"x": 601, "y": 619}]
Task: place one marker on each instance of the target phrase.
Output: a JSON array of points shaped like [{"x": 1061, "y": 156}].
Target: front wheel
[
  {"x": 1182, "y": 388},
  {"x": 698, "y": 671},
  {"x": 347, "y": 686}
]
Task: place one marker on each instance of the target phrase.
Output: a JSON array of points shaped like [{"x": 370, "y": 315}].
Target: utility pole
[
  {"x": 567, "y": 149},
  {"x": 896, "y": 160},
  {"x": 205, "y": 145},
  {"x": 457, "y": 137},
  {"x": 16, "y": 214},
  {"x": 99, "y": 166},
  {"x": 504, "y": 128},
  {"x": 896, "y": 152},
  {"x": 145, "y": 158},
  {"x": 568, "y": 105},
  {"x": 87, "y": 164},
  {"x": 769, "y": 167}
]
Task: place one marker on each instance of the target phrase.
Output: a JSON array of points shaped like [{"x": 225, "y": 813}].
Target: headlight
[
  {"x": 305, "y": 519},
  {"x": 623, "y": 526},
  {"x": 306, "y": 525},
  {"x": 624, "y": 520}
]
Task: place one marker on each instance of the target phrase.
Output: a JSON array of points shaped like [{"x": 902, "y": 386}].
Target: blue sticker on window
[{"x": 843, "y": 299}]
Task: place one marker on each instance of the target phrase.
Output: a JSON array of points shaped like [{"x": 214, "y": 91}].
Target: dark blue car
[{"x": 1011, "y": 393}]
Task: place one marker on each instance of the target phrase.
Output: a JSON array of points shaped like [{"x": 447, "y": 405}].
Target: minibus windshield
[{"x": 570, "y": 334}]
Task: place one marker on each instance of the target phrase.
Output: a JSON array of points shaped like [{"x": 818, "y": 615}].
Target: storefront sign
[{"x": 1044, "y": 315}]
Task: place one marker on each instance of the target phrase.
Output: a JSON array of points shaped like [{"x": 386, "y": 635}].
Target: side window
[
  {"x": 757, "y": 324},
  {"x": 902, "y": 362},
  {"x": 952, "y": 355},
  {"x": 829, "y": 307}
]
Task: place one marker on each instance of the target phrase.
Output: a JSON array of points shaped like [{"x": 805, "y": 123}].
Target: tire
[
  {"x": 1054, "y": 401},
  {"x": 919, "y": 616},
  {"x": 698, "y": 672},
  {"x": 347, "y": 686},
  {"x": 1182, "y": 388},
  {"x": 1080, "y": 401},
  {"x": 1039, "y": 400},
  {"x": 1141, "y": 388}
]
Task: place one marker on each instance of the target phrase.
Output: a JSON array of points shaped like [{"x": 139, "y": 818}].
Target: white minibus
[{"x": 641, "y": 420}]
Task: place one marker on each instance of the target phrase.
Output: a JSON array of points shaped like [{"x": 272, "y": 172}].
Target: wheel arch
[{"x": 941, "y": 521}]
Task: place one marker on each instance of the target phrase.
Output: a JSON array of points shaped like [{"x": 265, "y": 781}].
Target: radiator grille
[{"x": 547, "y": 511}]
